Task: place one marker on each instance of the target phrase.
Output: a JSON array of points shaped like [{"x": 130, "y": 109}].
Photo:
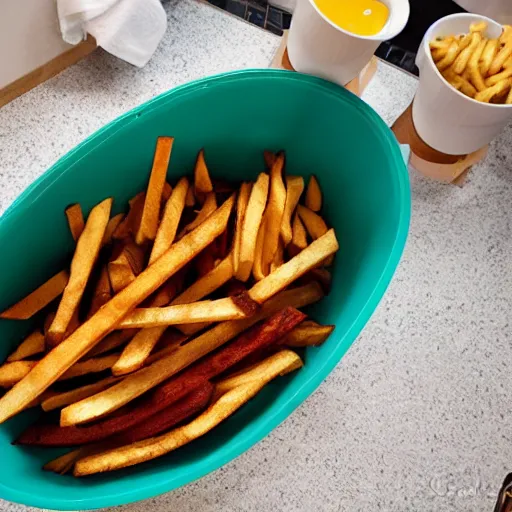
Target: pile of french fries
[
  {"x": 475, "y": 65},
  {"x": 170, "y": 317}
]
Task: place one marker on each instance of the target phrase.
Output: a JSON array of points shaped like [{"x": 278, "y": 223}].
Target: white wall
[{"x": 29, "y": 37}]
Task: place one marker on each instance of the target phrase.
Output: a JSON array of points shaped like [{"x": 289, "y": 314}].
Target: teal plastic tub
[{"x": 325, "y": 130}]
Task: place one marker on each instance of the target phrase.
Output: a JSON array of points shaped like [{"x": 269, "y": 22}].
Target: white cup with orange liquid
[{"x": 335, "y": 39}]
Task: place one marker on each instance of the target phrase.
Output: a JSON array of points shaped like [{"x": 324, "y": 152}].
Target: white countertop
[{"x": 417, "y": 415}]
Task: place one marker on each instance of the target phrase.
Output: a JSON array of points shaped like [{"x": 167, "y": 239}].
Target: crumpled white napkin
[{"x": 128, "y": 29}]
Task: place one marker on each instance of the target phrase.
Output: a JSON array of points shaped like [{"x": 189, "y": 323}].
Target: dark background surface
[{"x": 400, "y": 51}]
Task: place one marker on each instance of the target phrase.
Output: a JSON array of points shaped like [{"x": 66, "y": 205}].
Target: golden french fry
[
  {"x": 493, "y": 80},
  {"x": 294, "y": 189},
  {"x": 202, "y": 181},
  {"x": 218, "y": 310},
  {"x": 460, "y": 63},
  {"x": 281, "y": 363},
  {"x": 241, "y": 207},
  {"x": 508, "y": 101},
  {"x": 488, "y": 94},
  {"x": 478, "y": 27},
  {"x": 75, "y": 220},
  {"x": 129, "y": 225},
  {"x": 62, "y": 357},
  {"x": 86, "y": 254},
  {"x": 227, "y": 404},
  {"x": 59, "y": 400},
  {"x": 137, "y": 352},
  {"x": 251, "y": 225},
  {"x": 102, "y": 292},
  {"x": 112, "y": 341},
  {"x": 269, "y": 158},
  {"x": 460, "y": 83},
  {"x": 166, "y": 192},
  {"x": 112, "y": 225},
  {"x": 93, "y": 365},
  {"x": 33, "y": 344},
  {"x": 170, "y": 219},
  {"x": 315, "y": 225},
  {"x": 120, "y": 273},
  {"x": 64, "y": 464},
  {"x": 47, "y": 323},
  {"x": 151, "y": 211},
  {"x": 473, "y": 67},
  {"x": 307, "y": 334},
  {"x": 190, "y": 200},
  {"x": 209, "y": 206},
  {"x": 449, "y": 58},
  {"x": 274, "y": 213},
  {"x": 441, "y": 44},
  {"x": 207, "y": 284},
  {"x": 313, "y": 195},
  {"x": 506, "y": 35},
  {"x": 134, "y": 385},
  {"x": 299, "y": 238},
  {"x": 278, "y": 257},
  {"x": 501, "y": 57},
  {"x": 12, "y": 373},
  {"x": 38, "y": 299},
  {"x": 490, "y": 51},
  {"x": 257, "y": 267}
]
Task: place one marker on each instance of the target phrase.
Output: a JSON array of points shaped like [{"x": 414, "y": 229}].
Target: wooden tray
[{"x": 356, "y": 86}]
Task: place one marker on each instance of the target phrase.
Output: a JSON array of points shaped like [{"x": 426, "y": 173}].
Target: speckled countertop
[{"x": 417, "y": 415}]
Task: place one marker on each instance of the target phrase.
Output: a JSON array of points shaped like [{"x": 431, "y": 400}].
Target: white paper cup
[
  {"x": 444, "y": 118},
  {"x": 319, "y": 47}
]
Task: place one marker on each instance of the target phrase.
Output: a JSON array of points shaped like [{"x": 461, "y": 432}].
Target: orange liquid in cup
[{"x": 360, "y": 17}]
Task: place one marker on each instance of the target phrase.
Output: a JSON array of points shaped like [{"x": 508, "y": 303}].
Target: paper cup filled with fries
[{"x": 464, "y": 97}]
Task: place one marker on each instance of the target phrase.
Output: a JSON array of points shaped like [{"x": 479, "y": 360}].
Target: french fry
[
  {"x": 269, "y": 158},
  {"x": 129, "y": 225},
  {"x": 215, "y": 414},
  {"x": 75, "y": 220},
  {"x": 474, "y": 68},
  {"x": 299, "y": 236},
  {"x": 241, "y": 207},
  {"x": 12, "y": 373},
  {"x": 166, "y": 192},
  {"x": 102, "y": 292},
  {"x": 315, "y": 225},
  {"x": 33, "y": 344},
  {"x": 38, "y": 299},
  {"x": 171, "y": 218},
  {"x": 202, "y": 181},
  {"x": 501, "y": 57},
  {"x": 209, "y": 206},
  {"x": 137, "y": 352},
  {"x": 321, "y": 276},
  {"x": 86, "y": 253},
  {"x": 136, "y": 256},
  {"x": 59, "y": 400},
  {"x": 48, "y": 322},
  {"x": 64, "y": 464},
  {"x": 278, "y": 257},
  {"x": 218, "y": 310},
  {"x": 314, "y": 195},
  {"x": 257, "y": 267},
  {"x": 93, "y": 365},
  {"x": 308, "y": 334},
  {"x": 452, "y": 53},
  {"x": 112, "y": 341},
  {"x": 132, "y": 386},
  {"x": 120, "y": 272},
  {"x": 478, "y": 27},
  {"x": 286, "y": 360},
  {"x": 56, "y": 362},
  {"x": 151, "y": 211},
  {"x": 508, "y": 101},
  {"x": 460, "y": 63},
  {"x": 460, "y": 83},
  {"x": 309, "y": 258},
  {"x": 493, "y": 80},
  {"x": 487, "y": 57},
  {"x": 250, "y": 227},
  {"x": 190, "y": 200},
  {"x": 488, "y": 94},
  {"x": 294, "y": 189},
  {"x": 274, "y": 213}
]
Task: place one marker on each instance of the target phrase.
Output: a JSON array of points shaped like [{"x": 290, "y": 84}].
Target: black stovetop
[{"x": 400, "y": 51}]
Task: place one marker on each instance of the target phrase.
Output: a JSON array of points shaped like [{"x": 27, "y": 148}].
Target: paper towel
[{"x": 128, "y": 29}]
